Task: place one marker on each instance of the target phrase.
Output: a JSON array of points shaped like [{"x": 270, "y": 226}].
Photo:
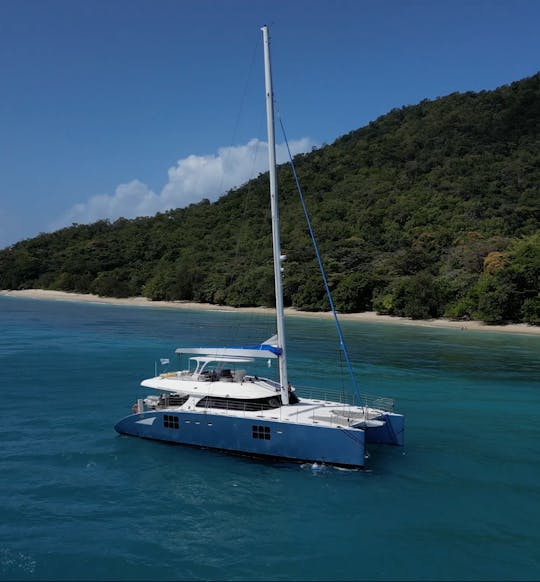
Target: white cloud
[{"x": 192, "y": 179}]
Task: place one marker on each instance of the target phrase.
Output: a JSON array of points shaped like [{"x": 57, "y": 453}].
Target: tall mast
[{"x": 276, "y": 245}]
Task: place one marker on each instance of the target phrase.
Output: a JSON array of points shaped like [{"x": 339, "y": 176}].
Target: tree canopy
[{"x": 430, "y": 210}]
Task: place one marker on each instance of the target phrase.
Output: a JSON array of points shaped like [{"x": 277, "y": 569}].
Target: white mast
[{"x": 280, "y": 317}]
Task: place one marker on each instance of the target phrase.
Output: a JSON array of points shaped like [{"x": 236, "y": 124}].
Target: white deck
[{"x": 308, "y": 411}]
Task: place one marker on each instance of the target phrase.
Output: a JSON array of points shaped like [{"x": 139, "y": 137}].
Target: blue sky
[{"x": 117, "y": 107}]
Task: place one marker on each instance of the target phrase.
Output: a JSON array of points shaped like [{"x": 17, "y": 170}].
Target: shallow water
[{"x": 78, "y": 501}]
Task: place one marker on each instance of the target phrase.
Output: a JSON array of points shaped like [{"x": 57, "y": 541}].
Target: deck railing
[
  {"x": 311, "y": 392},
  {"x": 333, "y": 395},
  {"x": 341, "y": 396},
  {"x": 339, "y": 417}
]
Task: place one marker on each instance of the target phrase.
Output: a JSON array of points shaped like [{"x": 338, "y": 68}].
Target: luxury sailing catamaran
[{"x": 214, "y": 403}]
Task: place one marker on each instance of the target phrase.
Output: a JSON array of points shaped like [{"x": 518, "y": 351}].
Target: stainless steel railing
[{"x": 343, "y": 397}]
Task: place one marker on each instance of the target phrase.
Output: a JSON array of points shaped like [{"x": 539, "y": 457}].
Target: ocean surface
[{"x": 78, "y": 502}]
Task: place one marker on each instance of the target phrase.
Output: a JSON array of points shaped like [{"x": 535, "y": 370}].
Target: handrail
[
  {"x": 303, "y": 392},
  {"x": 334, "y": 395}
]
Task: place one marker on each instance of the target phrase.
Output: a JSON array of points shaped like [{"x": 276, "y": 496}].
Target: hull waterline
[{"x": 255, "y": 437}]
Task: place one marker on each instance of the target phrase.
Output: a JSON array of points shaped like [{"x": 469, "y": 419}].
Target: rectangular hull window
[
  {"x": 260, "y": 432},
  {"x": 170, "y": 421}
]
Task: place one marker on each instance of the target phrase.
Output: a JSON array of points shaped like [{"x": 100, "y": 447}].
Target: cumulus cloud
[{"x": 190, "y": 180}]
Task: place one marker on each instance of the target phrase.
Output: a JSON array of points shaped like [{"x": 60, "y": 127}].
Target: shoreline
[{"x": 367, "y": 316}]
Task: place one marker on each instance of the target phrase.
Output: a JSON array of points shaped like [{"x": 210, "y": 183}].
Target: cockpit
[{"x": 219, "y": 368}]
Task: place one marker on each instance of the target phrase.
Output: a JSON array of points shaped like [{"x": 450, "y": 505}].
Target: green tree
[
  {"x": 430, "y": 208},
  {"x": 416, "y": 296},
  {"x": 354, "y": 293},
  {"x": 531, "y": 310}
]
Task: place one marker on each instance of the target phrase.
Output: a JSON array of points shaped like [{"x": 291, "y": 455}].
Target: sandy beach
[{"x": 368, "y": 316}]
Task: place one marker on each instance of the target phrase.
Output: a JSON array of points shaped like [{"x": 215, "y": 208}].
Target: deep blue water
[{"x": 77, "y": 501}]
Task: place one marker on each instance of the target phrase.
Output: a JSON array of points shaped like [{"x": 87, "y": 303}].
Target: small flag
[{"x": 164, "y": 361}]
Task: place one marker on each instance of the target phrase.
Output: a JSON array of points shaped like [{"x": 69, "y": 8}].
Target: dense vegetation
[{"x": 430, "y": 210}]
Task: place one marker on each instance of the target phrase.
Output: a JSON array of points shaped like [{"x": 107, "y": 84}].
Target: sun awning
[
  {"x": 229, "y": 359},
  {"x": 266, "y": 350},
  {"x": 247, "y": 352}
]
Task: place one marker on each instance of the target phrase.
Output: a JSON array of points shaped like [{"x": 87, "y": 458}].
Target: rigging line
[
  {"x": 242, "y": 231},
  {"x": 256, "y": 150},
  {"x": 252, "y": 259},
  {"x": 242, "y": 105},
  {"x": 341, "y": 372},
  {"x": 321, "y": 266},
  {"x": 249, "y": 187}
]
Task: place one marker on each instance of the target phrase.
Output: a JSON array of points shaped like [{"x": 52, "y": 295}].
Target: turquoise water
[{"x": 77, "y": 501}]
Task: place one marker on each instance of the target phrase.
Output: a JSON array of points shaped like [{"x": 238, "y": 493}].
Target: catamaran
[{"x": 214, "y": 403}]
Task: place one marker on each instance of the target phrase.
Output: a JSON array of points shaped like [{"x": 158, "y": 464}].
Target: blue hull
[
  {"x": 250, "y": 436},
  {"x": 392, "y": 433}
]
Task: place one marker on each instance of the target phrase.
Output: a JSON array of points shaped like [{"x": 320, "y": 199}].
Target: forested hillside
[{"x": 430, "y": 210}]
